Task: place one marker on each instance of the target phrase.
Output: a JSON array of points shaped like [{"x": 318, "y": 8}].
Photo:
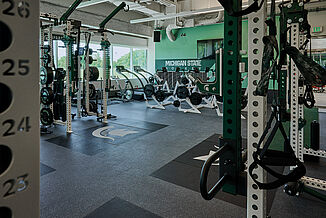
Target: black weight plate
[
  {"x": 182, "y": 92},
  {"x": 151, "y": 80},
  {"x": 184, "y": 80},
  {"x": 46, "y": 75},
  {"x": 149, "y": 90},
  {"x": 90, "y": 60},
  {"x": 60, "y": 74},
  {"x": 46, "y": 116},
  {"x": 92, "y": 91},
  {"x": 47, "y": 96},
  {"x": 176, "y": 103},
  {"x": 196, "y": 98},
  {"x": 94, "y": 73},
  {"x": 92, "y": 107},
  {"x": 160, "y": 95}
]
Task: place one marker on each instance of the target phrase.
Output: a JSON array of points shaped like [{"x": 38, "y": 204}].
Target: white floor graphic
[{"x": 109, "y": 132}]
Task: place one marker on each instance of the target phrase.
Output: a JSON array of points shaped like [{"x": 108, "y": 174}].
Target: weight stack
[{"x": 19, "y": 109}]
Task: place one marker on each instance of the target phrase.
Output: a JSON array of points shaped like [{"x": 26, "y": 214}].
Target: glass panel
[
  {"x": 61, "y": 55},
  {"x": 207, "y": 48},
  {"x": 121, "y": 57},
  {"x": 139, "y": 58}
]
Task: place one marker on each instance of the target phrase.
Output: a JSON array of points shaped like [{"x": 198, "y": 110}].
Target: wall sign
[
  {"x": 317, "y": 29},
  {"x": 185, "y": 64}
]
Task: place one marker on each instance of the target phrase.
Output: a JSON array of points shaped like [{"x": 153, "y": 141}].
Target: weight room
[{"x": 162, "y": 108}]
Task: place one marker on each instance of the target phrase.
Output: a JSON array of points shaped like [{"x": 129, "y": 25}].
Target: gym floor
[{"x": 146, "y": 163}]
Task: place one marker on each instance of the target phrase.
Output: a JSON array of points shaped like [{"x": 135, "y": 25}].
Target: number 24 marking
[{"x": 21, "y": 127}]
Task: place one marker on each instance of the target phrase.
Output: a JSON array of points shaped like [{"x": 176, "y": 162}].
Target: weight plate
[
  {"x": 184, "y": 80},
  {"x": 94, "y": 73},
  {"x": 128, "y": 95},
  {"x": 151, "y": 80},
  {"x": 149, "y": 90},
  {"x": 182, "y": 92},
  {"x": 46, "y": 59},
  {"x": 47, "y": 96},
  {"x": 92, "y": 91},
  {"x": 92, "y": 107},
  {"x": 196, "y": 98},
  {"x": 46, "y": 116},
  {"x": 46, "y": 75},
  {"x": 176, "y": 103},
  {"x": 160, "y": 95},
  {"x": 60, "y": 74}
]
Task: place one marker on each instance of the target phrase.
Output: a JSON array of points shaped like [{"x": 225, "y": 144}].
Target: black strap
[
  {"x": 270, "y": 44},
  {"x": 309, "y": 98},
  {"x": 266, "y": 158},
  {"x": 313, "y": 73},
  {"x": 228, "y": 7}
]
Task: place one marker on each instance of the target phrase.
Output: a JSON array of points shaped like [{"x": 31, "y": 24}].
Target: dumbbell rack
[{"x": 19, "y": 110}]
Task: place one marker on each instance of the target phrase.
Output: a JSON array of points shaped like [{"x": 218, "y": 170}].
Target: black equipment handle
[
  {"x": 228, "y": 7},
  {"x": 209, "y": 195}
]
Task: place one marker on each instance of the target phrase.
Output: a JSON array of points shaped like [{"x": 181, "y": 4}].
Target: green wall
[{"x": 185, "y": 46}]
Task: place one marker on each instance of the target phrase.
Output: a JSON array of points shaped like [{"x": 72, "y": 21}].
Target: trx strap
[
  {"x": 313, "y": 73},
  {"x": 308, "y": 98},
  {"x": 228, "y": 7},
  {"x": 266, "y": 158},
  {"x": 270, "y": 44}
]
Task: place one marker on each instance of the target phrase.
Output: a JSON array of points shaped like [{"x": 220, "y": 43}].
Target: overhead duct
[{"x": 218, "y": 19}]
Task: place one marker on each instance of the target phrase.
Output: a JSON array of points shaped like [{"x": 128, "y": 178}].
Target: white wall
[
  {"x": 151, "y": 56},
  {"x": 318, "y": 19}
]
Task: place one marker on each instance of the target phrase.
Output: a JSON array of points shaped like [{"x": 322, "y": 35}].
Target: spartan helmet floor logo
[{"x": 109, "y": 132}]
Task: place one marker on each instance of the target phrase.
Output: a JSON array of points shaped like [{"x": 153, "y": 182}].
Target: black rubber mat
[
  {"x": 44, "y": 169},
  {"x": 94, "y": 140},
  {"x": 119, "y": 208},
  {"x": 185, "y": 171}
]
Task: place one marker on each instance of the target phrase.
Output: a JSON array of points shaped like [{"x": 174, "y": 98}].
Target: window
[
  {"x": 318, "y": 50},
  {"x": 121, "y": 57},
  {"x": 207, "y": 48},
  {"x": 139, "y": 58},
  {"x": 61, "y": 55}
]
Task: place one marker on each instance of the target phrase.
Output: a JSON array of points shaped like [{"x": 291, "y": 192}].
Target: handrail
[{"x": 121, "y": 68}]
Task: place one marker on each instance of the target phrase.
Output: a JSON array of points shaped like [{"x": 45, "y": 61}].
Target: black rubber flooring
[
  {"x": 120, "y": 208},
  {"x": 151, "y": 168}
]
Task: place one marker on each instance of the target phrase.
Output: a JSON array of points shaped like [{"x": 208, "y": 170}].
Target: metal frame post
[
  {"x": 296, "y": 135},
  {"x": 19, "y": 113},
  {"x": 257, "y": 110},
  {"x": 69, "y": 47},
  {"x": 231, "y": 100},
  {"x": 105, "y": 44}
]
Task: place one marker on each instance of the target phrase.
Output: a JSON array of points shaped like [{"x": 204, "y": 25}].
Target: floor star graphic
[{"x": 205, "y": 157}]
